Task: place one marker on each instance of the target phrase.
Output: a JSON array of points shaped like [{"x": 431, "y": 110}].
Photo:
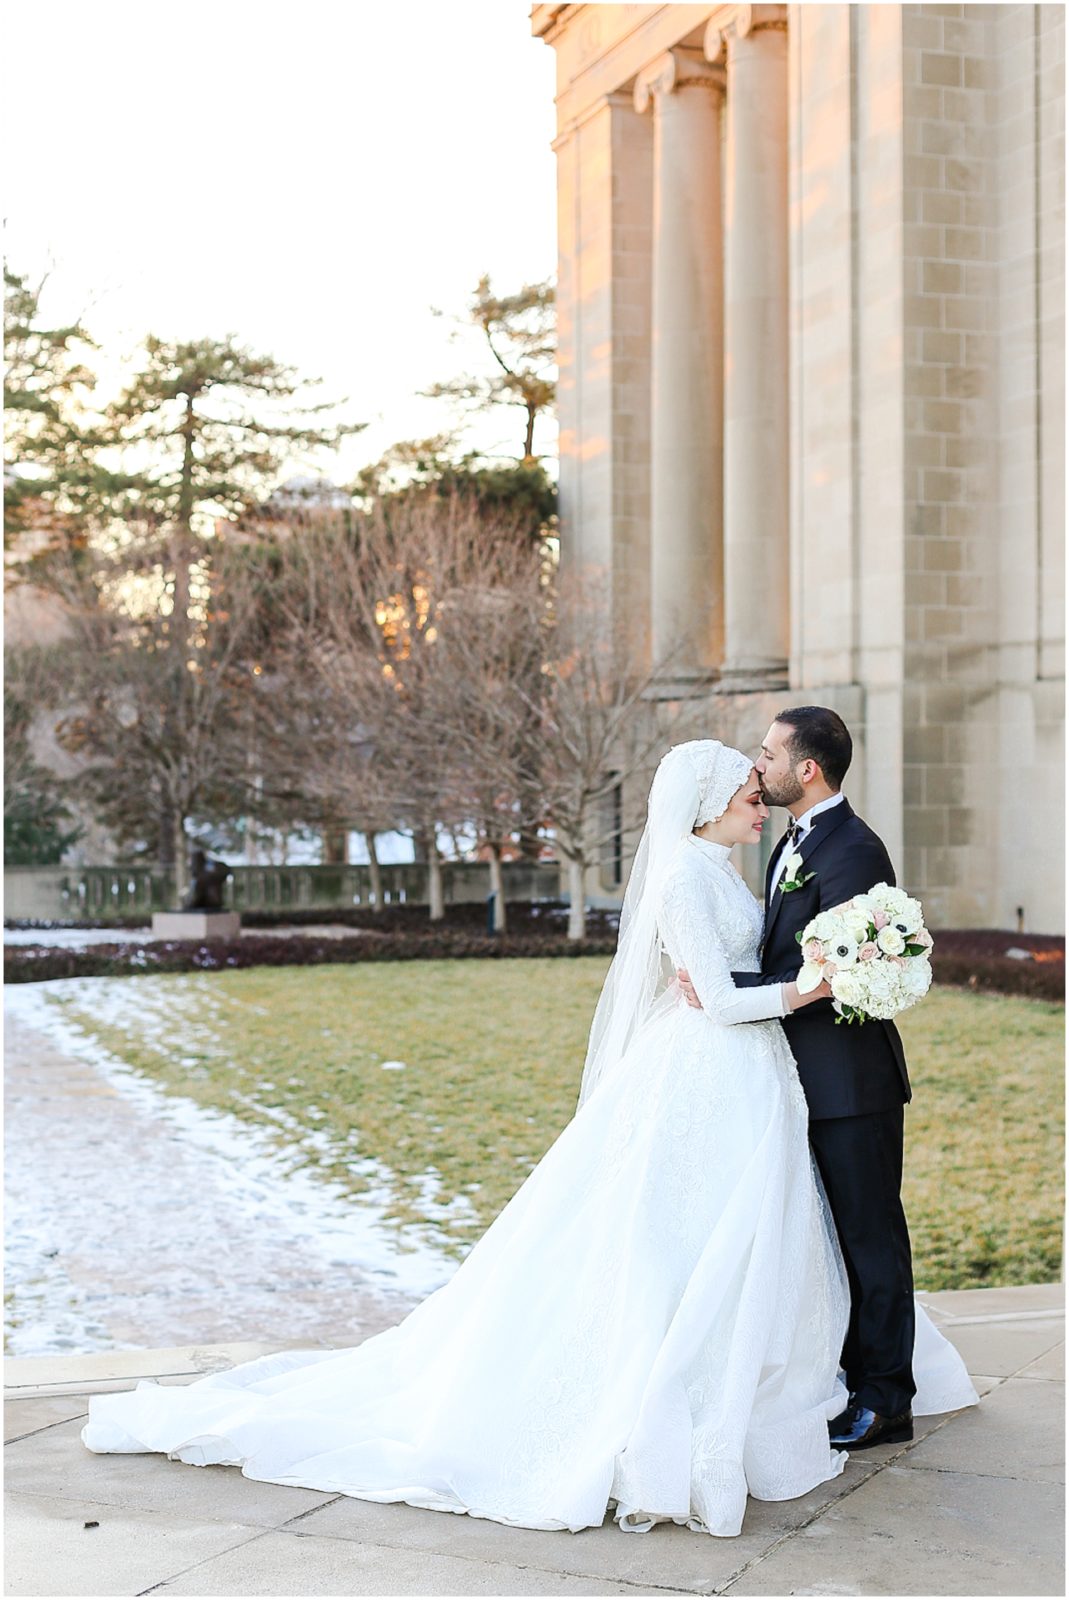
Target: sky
[{"x": 312, "y": 177}]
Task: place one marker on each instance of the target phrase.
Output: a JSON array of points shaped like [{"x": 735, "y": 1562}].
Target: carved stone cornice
[
  {"x": 742, "y": 23},
  {"x": 675, "y": 69}
]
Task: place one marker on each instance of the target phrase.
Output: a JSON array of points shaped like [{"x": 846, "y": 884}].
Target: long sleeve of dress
[{"x": 691, "y": 907}]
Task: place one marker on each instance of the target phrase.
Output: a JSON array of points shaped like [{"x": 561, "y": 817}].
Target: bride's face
[{"x": 745, "y": 816}]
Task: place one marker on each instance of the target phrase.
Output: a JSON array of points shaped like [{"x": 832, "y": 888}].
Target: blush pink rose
[
  {"x": 881, "y": 919},
  {"x": 924, "y": 939},
  {"x": 868, "y": 952},
  {"x": 898, "y": 961},
  {"x": 813, "y": 950}
]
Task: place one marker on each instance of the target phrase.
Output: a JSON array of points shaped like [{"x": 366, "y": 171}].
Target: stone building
[{"x": 811, "y": 267}]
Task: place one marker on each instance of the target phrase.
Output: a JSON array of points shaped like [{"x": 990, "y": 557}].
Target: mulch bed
[{"x": 973, "y": 958}]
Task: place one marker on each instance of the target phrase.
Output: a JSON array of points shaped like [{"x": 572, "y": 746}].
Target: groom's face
[{"x": 781, "y": 782}]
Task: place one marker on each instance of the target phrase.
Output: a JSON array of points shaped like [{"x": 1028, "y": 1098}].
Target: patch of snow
[
  {"x": 137, "y": 1216},
  {"x": 76, "y": 938}
]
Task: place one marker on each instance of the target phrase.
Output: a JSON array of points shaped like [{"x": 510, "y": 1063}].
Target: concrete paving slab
[
  {"x": 981, "y": 1520},
  {"x": 49, "y": 1551},
  {"x": 81, "y": 1391},
  {"x": 924, "y": 1533},
  {"x": 932, "y": 1303},
  {"x": 23, "y": 1417},
  {"x": 1001, "y": 1349},
  {"x": 667, "y": 1555},
  {"x": 1050, "y": 1365},
  {"x": 56, "y": 1463},
  {"x": 291, "y": 1564},
  {"x": 125, "y": 1367},
  {"x": 1018, "y": 1432},
  {"x": 1027, "y": 1297},
  {"x": 881, "y": 1454}
]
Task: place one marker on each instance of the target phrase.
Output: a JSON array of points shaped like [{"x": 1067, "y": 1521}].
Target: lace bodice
[{"x": 711, "y": 924}]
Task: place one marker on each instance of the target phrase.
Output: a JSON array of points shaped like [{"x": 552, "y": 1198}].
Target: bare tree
[
  {"x": 490, "y": 661},
  {"x": 482, "y": 698},
  {"x": 601, "y": 719},
  {"x": 400, "y": 617}
]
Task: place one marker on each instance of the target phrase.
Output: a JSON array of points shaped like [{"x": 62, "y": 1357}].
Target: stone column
[
  {"x": 686, "y": 425},
  {"x": 756, "y": 454}
]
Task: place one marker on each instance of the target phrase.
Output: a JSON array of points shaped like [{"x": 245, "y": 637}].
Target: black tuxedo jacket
[{"x": 846, "y": 1069}]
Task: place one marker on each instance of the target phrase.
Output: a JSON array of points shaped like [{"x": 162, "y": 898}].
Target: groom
[{"x": 854, "y": 1077}]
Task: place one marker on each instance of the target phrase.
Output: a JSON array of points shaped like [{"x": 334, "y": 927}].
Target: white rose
[
  {"x": 890, "y": 941},
  {"x": 858, "y": 922},
  {"x": 846, "y": 988},
  {"x": 917, "y": 977},
  {"x": 864, "y": 902}
]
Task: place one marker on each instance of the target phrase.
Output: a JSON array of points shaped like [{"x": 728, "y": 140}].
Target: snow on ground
[
  {"x": 137, "y": 1218},
  {"x": 81, "y": 938},
  {"x": 76, "y": 938}
]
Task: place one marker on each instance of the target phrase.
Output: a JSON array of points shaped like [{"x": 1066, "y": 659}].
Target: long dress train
[{"x": 652, "y": 1324}]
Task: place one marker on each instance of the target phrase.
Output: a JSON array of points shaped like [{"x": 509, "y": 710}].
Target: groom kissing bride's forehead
[
  {"x": 804, "y": 757},
  {"x": 854, "y": 1078}
]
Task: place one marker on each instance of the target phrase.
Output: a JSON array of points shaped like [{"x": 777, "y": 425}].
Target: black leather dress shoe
[
  {"x": 844, "y": 1420},
  {"x": 858, "y": 1428}
]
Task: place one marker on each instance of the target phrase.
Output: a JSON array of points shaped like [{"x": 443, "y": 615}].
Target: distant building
[{"x": 811, "y": 324}]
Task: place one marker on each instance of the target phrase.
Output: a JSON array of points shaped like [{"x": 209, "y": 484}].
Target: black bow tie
[{"x": 793, "y": 833}]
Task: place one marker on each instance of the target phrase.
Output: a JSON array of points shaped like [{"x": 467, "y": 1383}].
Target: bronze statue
[{"x": 207, "y": 878}]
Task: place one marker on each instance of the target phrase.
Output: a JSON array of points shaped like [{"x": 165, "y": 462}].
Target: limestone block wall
[
  {"x": 982, "y": 615},
  {"x": 847, "y": 412}
]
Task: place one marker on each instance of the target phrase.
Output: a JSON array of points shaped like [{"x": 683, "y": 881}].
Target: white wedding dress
[{"x": 653, "y": 1323}]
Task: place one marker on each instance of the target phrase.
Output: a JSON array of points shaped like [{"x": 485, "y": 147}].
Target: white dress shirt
[{"x": 805, "y": 822}]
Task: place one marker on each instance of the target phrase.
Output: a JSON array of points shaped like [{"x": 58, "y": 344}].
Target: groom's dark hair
[{"x": 819, "y": 734}]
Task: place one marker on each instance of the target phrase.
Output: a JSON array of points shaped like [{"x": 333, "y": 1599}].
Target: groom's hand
[{"x": 688, "y": 989}]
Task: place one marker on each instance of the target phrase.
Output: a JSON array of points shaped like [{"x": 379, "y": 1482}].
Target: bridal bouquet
[{"x": 874, "y": 952}]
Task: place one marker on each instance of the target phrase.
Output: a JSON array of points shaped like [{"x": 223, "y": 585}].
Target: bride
[{"x": 653, "y": 1323}]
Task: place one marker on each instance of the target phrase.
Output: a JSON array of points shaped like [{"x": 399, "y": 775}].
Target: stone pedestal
[{"x": 196, "y": 924}]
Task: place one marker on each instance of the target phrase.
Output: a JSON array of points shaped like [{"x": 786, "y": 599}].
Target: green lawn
[{"x": 493, "y": 1051}]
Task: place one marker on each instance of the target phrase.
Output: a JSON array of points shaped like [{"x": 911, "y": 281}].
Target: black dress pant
[{"x": 860, "y": 1162}]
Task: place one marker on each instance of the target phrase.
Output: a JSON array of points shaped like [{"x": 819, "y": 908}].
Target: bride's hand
[
  {"x": 796, "y": 1000},
  {"x": 683, "y": 979}
]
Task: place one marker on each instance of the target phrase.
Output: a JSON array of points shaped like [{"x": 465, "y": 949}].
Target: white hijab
[{"x": 693, "y": 785}]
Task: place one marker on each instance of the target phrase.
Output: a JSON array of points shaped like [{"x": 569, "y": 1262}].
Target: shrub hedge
[
  {"x": 965, "y": 958},
  {"x": 34, "y": 963}
]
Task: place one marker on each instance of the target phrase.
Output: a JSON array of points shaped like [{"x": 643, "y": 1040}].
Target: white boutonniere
[{"x": 793, "y": 876}]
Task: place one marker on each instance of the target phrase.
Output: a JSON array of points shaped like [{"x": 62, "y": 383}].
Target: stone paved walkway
[{"x": 973, "y": 1506}]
